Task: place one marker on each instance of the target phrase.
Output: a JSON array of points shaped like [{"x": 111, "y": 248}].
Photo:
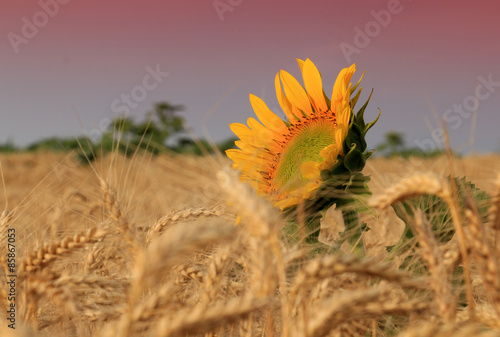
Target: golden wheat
[{"x": 141, "y": 264}]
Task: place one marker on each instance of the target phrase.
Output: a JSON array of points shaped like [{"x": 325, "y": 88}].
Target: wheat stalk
[
  {"x": 485, "y": 255},
  {"x": 431, "y": 254}
]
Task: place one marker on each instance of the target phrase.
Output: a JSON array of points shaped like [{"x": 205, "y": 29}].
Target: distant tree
[
  {"x": 55, "y": 144},
  {"x": 159, "y": 131},
  {"x": 8, "y": 147},
  {"x": 151, "y": 134},
  {"x": 161, "y": 124},
  {"x": 227, "y": 144},
  {"x": 394, "y": 143},
  {"x": 201, "y": 147},
  {"x": 395, "y": 140}
]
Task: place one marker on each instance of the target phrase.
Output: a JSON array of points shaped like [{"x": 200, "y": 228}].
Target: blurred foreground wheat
[{"x": 148, "y": 247}]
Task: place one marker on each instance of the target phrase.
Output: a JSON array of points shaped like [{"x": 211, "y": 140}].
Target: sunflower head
[{"x": 313, "y": 155}]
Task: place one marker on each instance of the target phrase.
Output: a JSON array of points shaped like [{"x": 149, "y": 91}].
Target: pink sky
[{"x": 429, "y": 57}]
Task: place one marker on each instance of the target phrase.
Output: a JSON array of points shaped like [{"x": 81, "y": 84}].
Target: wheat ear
[
  {"x": 418, "y": 184},
  {"x": 263, "y": 223},
  {"x": 206, "y": 318},
  {"x": 494, "y": 210},
  {"x": 164, "y": 253},
  {"x": 44, "y": 256},
  {"x": 352, "y": 305},
  {"x": 428, "y": 183},
  {"x": 113, "y": 206},
  {"x": 184, "y": 215},
  {"x": 328, "y": 266}
]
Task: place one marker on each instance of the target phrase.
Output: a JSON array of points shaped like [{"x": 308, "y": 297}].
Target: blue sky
[{"x": 426, "y": 61}]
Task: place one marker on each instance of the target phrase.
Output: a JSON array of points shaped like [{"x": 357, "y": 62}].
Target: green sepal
[
  {"x": 325, "y": 175},
  {"x": 369, "y": 125},
  {"x": 354, "y": 161},
  {"x": 361, "y": 112},
  {"x": 338, "y": 167},
  {"x": 353, "y": 138},
  {"x": 354, "y": 100},
  {"x": 353, "y": 89},
  {"x": 358, "y": 184}
]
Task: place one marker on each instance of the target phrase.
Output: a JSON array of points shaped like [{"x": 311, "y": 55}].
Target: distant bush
[
  {"x": 394, "y": 146},
  {"x": 7, "y": 147},
  {"x": 55, "y": 144},
  {"x": 160, "y": 131}
]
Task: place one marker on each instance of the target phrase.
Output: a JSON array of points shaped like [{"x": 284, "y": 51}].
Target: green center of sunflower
[{"x": 303, "y": 144}]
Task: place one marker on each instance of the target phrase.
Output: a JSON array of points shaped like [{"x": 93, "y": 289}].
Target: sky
[{"x": 69, "y": 66}]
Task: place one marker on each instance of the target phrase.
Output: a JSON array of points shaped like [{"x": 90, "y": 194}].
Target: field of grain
[{"x": 147, "y": 246}]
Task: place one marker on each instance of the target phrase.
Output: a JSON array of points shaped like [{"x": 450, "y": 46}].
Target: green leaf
[
  {"x": 354, "y": 161},
  {"x": 360, "y": 115},
  {"x": 369, "y": 125}
]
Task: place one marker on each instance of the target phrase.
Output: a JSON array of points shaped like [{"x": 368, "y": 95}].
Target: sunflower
[{"x": 286, "y": 160}]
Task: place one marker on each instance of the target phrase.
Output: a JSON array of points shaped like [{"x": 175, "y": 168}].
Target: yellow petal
[
  {"x": 340, "y": 86},
  {"x": 310, "y": 190},
  {"x": 244, "y": 146},
  {"x": 240, "y": 130},
  {"x": 249, "y": 136},
  {"x": 301, "y": 64},
  {"x": 314, "y": 86},
  {"x": 345, "y": 75},
  {"x": 248, "y": 165},
  {"x": 340, "y": 134},
  {"x": 310, "y": 170},
  {"x": 285, "y": 203},
  {"x": 331, "y": 152},
  {"x": 327, "y": 150},
  {"x": 252, "y": 175},
  {"x": 239, "y": 156},
  {"x": 263, "y": 134},
  {"x": 295, "y": 93},
  {"x": 266, "y": 116},
  {"x": 283, "y": 101}
]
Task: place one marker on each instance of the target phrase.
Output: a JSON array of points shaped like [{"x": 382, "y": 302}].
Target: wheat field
[{"x": 147, "y": 246}]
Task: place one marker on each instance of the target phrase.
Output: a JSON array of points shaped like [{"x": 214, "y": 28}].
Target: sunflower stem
[{"x": 354, "y": 229}]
